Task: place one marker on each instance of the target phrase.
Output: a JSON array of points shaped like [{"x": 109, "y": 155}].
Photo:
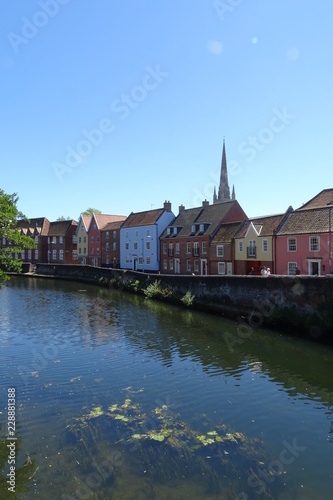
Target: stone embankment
[{"x": 299, "y": 305}]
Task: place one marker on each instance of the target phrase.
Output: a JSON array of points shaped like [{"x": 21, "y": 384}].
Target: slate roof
[
  {"x": 103, "y": 219},
  {"x": 38, "y": 225},
  {"x": 323, "y": 199},
  {"x": 147, "y": 218},
  {"x": 112, "y": 226},
  {"x": 315, "y": 220},
  {"x": 184, "y": 221},
  {"x": 265, "y": 226},
  {"x": 61, "y": 227},
  {"x": 226, "y": 233}
]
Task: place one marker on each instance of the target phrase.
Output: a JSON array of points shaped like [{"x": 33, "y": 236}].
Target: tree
[
  {"x": 15, "y": 241},
  {"x": 91, "y": 211},
  {"x": 61, "y": 218}
]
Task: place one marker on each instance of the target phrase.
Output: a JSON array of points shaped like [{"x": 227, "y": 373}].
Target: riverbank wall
[{"x": 299, "y": 305}]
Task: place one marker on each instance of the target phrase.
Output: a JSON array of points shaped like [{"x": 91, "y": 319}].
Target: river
[{"x": 121, "y": 397}]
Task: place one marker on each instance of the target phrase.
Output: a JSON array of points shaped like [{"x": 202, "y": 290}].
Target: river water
[{"x": 121, "y": 397}]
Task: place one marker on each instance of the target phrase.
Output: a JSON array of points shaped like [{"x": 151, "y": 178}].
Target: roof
[
  {"x": 210, "y": 216},
  {"x": 226, "y": 233},
  {"x": 315, "y": 220},
  {"x": 147, "y": 218},
  {"x": 323, "y": 199},
  {"x": 112, "y": 226},
  {"x": 264, "y": 226},
  {"x": 103, "y": 219},
  {"x": 86, "y": 221},
  {"x": 61, "y": 227},
  {"x": 38, "y": 225}
]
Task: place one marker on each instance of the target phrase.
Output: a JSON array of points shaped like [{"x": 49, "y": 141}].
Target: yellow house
[
  {"x": 255, "y": 243},
  {"x": 82, "y": 238}
]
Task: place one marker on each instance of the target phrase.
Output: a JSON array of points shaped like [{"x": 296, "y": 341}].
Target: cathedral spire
[{"x": 224, "y": 190}]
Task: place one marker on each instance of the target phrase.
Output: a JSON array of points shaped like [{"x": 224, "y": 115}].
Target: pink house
[
  {"x": 304, "y": 243},
  {"x": 98, "y": 221}
]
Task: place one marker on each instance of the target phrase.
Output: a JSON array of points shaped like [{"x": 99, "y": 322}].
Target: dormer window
[
  {"x": 202, "y": 228},
  {"x": 168, "y": 231},
  {"x": 193, "y": 229},
  {"x": 175, "y": 231}
]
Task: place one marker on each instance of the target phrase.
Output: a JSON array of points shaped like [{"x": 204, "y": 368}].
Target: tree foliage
[
  {"x": 15, "y": 241},
  {"x": 91, "y": 211}
]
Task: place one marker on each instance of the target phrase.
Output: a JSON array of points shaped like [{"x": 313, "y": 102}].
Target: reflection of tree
[{"x": 23, "y": 474}]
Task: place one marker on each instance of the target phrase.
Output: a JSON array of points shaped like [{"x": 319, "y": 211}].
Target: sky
[{"x": 120, "y": 106}]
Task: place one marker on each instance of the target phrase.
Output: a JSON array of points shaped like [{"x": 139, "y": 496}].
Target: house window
[
  {"x": 36, "y": 254},
  {"x": 107, "y": 247},
  {"x": 171, "y": 249},
  {"x": 168, "y": 231},
  {"x": 165, "y": 264},
  {"x": 74, "y": 239},
  {"x": 171, "y": 264},
  {"x": 79, "y": 239},
  {"x": 114, "y": 234},
  {"x": 29, "y": 254},
  {"x": 314, "y": 244},
  {"x": 165, "y": 248},
  {"x": 147, "y": 232},
  {"x": 265, "y": 246},
  {"x": 4, "y": 241},
  {"x": 97, "y": 239},
  {"x": 204, "y": 247},
  {"x": 219, "y": 251},
  {"x": 177, "y": 247},
  {"x": 147, "y": 260},
  {"x": 127, "y": 259},
  {"x": 36, "y": 239},
  {"x": 196, "y": 266},
  {"x": 147, "y": 245},
  {"x": 140, "y": 260},
  {"x": 175, "y": 231},
  {"x": 92, "y": 251},
  {"x": 107, "y": 235},
  {"x": 126, "y": 246},
  {"x": 292, "y": 245},
  {"x": 81, "y": 228},
  {"x": 23, "y": 254},
  {"x": 85, "y": 250},
  {"x": 61, "y": 240},
  {"x": 202, "y": 228},
  {"x": 54, "y": 255},
  {"x": 135, "y": 246},
  {"x": 79, "y": 250},
  {"x": 114, "y": 246},
  {"x": 292, "y": 268},
  {"x": 193, "y": 229},
  {"x": 61, "y": 255},
  {"x": 92, "y": 239},
  {"x": 240, "y": 246},
  {"x": 251, "y": 249},
  {"x": 97, "y": 251},
  {"x": 188, "y": 266},
  {"x": 196, "y": 249},
  {"x": 188, "y": 247},
  {"x": 221, "y": 267},
  {"x": 54, "y": 239},
  {"x": 94, "y": 227}
]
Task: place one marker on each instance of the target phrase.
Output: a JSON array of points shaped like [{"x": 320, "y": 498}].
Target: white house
[{"x": 140, "y": 238}]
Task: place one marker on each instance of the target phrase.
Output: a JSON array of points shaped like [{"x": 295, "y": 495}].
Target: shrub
[{"x": 188, "y": 299}]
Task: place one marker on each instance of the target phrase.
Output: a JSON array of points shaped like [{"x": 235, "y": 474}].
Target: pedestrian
[
  {"x": 263, "y": 271},
  {"x": 252, "y": 271},
  {"x": 268, "y": 271}
]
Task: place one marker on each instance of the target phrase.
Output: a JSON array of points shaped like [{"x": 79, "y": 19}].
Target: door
[
  {"x": 229, "y": 268},
  {"x": 314, "y": 267},
  {"x": 204, "y": 266},
  {"x": 177, "y": 266}
]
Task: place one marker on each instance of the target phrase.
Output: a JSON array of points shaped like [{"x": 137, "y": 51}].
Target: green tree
[
  {"x": 91, "y": 211},
  {"x": 61, "y": 218},
  {"x": 15, "y": 241}
]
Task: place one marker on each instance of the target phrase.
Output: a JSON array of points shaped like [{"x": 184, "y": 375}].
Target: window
[
  {"x": 135, "y": 246},
  {"x": 175, "y": 231},
  {"x": 114, "y": 234},
  {"x": 193, "y": 229},
  {"x": 240, "y": 246},
  {"x": 79, "y": 239},
  {"x": 54, "y": 254},
  {"x": 4, "y": 241},
  {"x": 81, "y": 228},
  {"x": 251, "y": 249},
  {"x": 188, "y": 247},
  {"x": 165, "y": 264},
  {"x": 54, "y": 239},
  {"x": 85, "y": 250},
  {"x": 147, "y": 260},
  {"x": 196, "y": 249},
  {"x": 74, "y": 254},
  {"x": 36, "y": 254},
  {"x": 61, "y": 255},
  {"x": 94, "y": 227},
  {"x": 202, "y": 228},
  {"x": 97, "y": 239},
  {"x": 292, "y": 245},
  {"x": 265, "y": 245},
  {"x": 127, "y": 259},
  {"x": 140, "y": 260},
  {"x": 171, "y": 265},
  {"x": 36, "y": 239},
  {"x": 147, "y": 232},
  {"x": 204, "y": 247},
  {"x": 92, "y": 251},
  {"x": 107, "y": 247},
  {"x": 114, "y": 246},
  {"x": 92, "y": 239},
  {"x": 196, "y": 266},
  {"x": 126, "y": 246},
  {"x": 314, "y": 244},
  {"x": 188, "y": 266},
  {"x": 147, "y": 245},
  {"x": 74, "y": 239},
  {"x": 292, "y": 268},
  {"x": 221, "y": 267},
  {"x": 171, "y": 249},
  {"x": 61, "y": 240},
  {"x": 80, "y": 250},
  {"x": 177, "y": 247},
  {"x": 23, "y": 254},
  {"x": 168, "y": 231},
  {"x": 97, "y": 251},
  {"x": 165, "y": 248},
  {"x": 219, "y": 251},
  {"x": 107, "y": 235},
  {"x": 29, "y": 254}
]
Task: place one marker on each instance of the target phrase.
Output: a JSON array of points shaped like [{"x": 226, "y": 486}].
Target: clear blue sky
[{"x": 164, "y": 81}]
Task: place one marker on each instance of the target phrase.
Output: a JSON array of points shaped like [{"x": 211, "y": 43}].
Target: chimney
[
  {"x": 167, "y": 206},
  {"x": 205, "y": 203},
  {"x": 181, "y": 208}
]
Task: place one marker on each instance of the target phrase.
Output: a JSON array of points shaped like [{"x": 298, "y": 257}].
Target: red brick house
[
  {"x": 97, "y": 223},
  {"x": 221, "y": 252},
  {"x": 110, "y": 235},
  {"x": 62, "y": 242},
  {"x": 186, "y": 243},
  {"x": 37, "y": 229}
]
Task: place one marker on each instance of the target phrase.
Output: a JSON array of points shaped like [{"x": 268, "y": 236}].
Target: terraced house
[
  {"x": 82, "y": 238},
  {"x": 97, "y": 223},
  {"x": 62, "y": 247}
]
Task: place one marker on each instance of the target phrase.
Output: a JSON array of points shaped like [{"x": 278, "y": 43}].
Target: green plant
[
  {"x": 153, "y": 290},
  {"x": 188, "y": 299}
]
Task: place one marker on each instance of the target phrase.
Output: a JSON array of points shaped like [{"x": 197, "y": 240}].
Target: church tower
[{"x": 224, "y": 190}]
